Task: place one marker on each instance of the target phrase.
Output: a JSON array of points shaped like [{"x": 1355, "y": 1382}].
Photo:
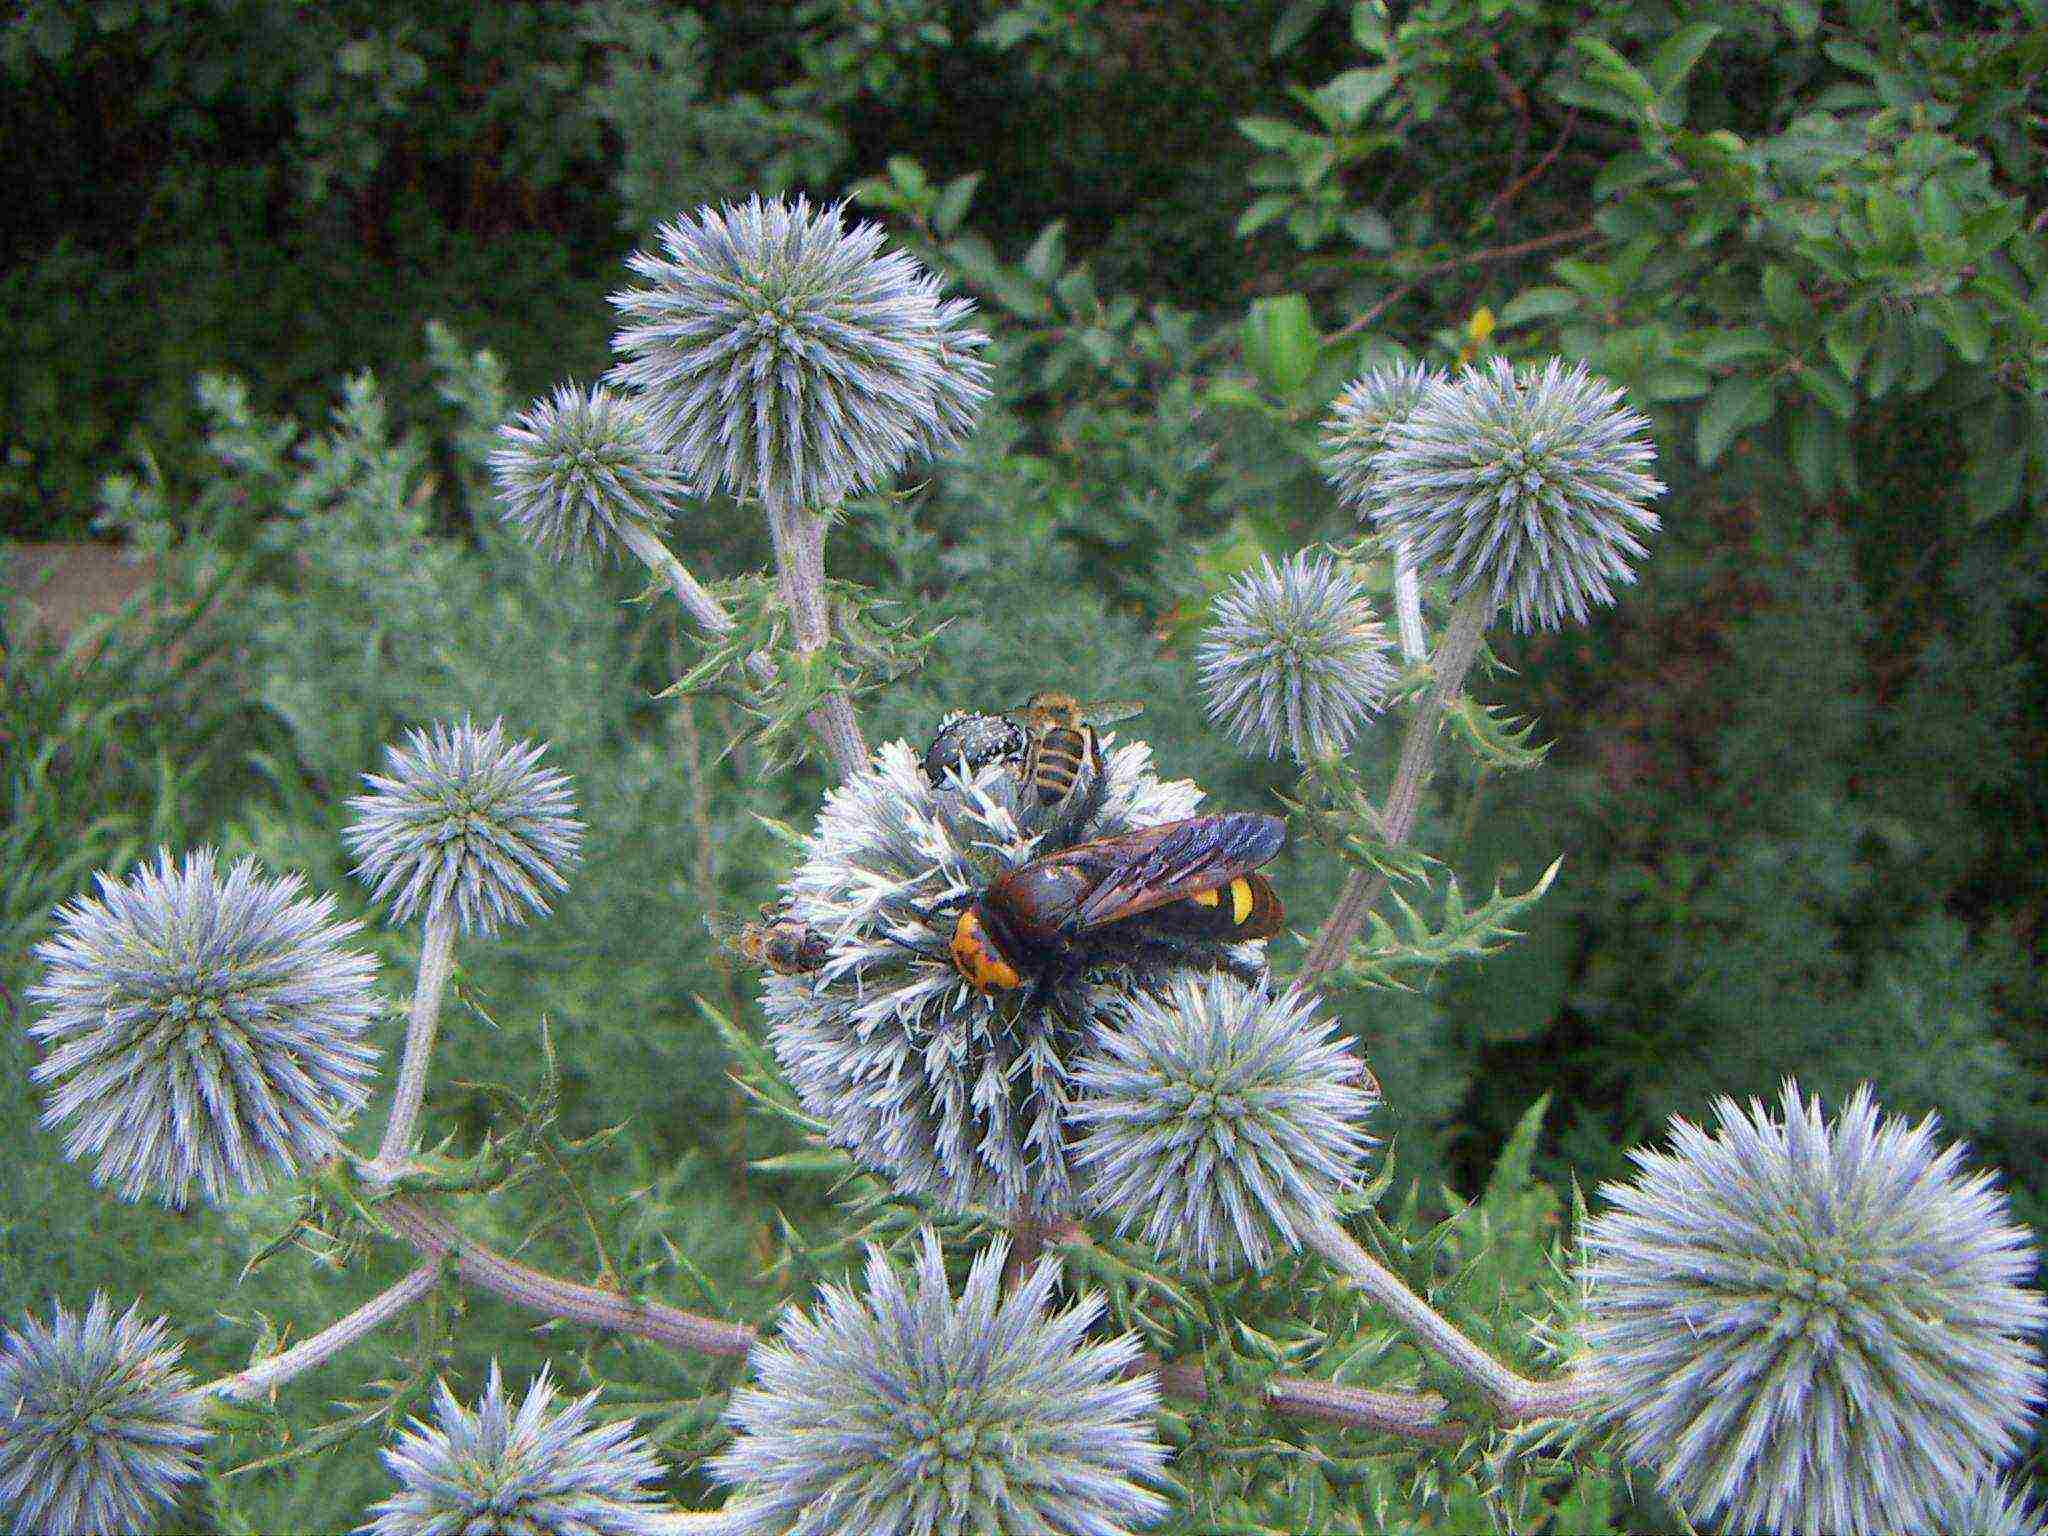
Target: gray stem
[
  {"x": 699, "y": 604},
  {"x": 259, "y": 1377},
  {"x": 800, "y": 569},
  {"x": 437, "y": 960},
  {"x": 1453, "y": 658},
  {"x": 1408, "y": 607}
]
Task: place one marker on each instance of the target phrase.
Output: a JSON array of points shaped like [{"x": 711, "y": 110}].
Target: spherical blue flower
[
  {"x": 1295, "y": 658},
  {"x": 1356, "y": 433},
  {"x": 785, "y": 358},
  {"x": 99, "y": 1425},
  {"x": 1527, "y": 486},
  {"x": 465, "y": 818},
  {"x": 952, "y": 1094},
  {"x": 906, "y": 1412},
  {"x": 576, "y": 471},
  {"x": 533, "y": 1470},
  {"x": 1995, "y": 1508},
  {"x": 1813, "y": 1328},
  {"x": 199, "y": 1029},
  {"x": 1215, "y": 1114}
]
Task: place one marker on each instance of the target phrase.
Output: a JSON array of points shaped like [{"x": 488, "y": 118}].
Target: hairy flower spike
[
  {"x": 200, "y": 1028},
  {"x": 98, "y": 1424},
  {"x": 1295, "y": 658},
  {"x": 574, "y": 472},
  {"x": 468, "y": 817},
  {"x": 1814, "y": 1329},
  {"x": 954, "y": 1095},
  {"x": 788, "y": 359},
  {"x": 1355, "y": 435},
  {"x": 909, "y": 1413},
  {"x": 1216, "y": 1114},
  {"x": 1526, "y": 485},
  {"x": 533, "y": 1470}
]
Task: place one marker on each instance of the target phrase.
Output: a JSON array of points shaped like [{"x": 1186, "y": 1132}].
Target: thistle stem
[
  {"x": 800, "y": 570},
  {"x": 1453, "y": 658},
  {"x": 1408, "y": 607},
  {"x": 698, "y": 603},
  {"x": 437, "y": 960},
  {"x": 259, "y": 1377},
  {"x": 484, "y": 1267}
]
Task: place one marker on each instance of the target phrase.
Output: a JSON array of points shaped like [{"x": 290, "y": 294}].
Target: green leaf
[
  {"x": 1271, "y": 133},
  {"x": 1744, "y": 346},
  {"x": 1538, "y": 304},
  {"x": 1670, "y": 64},
  {"x": 1608, "y": 67},
  {"x": 1009, "y": 29},
  {"x": 1044, "y": 257},
  {"x": 1848, "y": 338},
  {"x": 1962, "y": 321},
  {"x": 1262, "y": 213},
  {"x": 1369, "y": 27},
  {"x": 1814, "y": 434},
  {"x": 1802, "y": 17},
  {"x": 1356, "y": 92},
  {"x": 1734, "y": 405},
  {"x": 1787, "y": 305},
  {"x": 1280, "y": 342},
  {"x": 1368, "y": 229},
  {"x": 1294, "y": 24},
  {"x": 951, "y": 207},
  {"x": 908, "y": 175},
  {"x": 1829, "y": 390}
]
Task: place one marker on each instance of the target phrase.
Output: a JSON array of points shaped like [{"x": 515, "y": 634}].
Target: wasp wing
[
  {"x": 1156, "y": 865},
  {"x": 1109, "y": 711}
]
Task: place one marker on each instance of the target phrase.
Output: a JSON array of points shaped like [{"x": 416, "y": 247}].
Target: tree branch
[{"x": 1452, "y": 263}]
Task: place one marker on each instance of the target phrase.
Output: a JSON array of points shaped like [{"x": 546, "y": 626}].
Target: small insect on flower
[
  {"x": 787, "y": 359},
  {"x": 965, "y": 742},
  {"x": 201, "y": 1029},
  {"x": 1295, "y": 658},
  {"x": 907, "y": 1412},
  {"x": 1814, "y": 1328},
  {"x": 574, "y": 472},
  {"x": 1216, "y": 1114},
  {"x": 776, "y": 942},
  {"x": 99, "y": 1425},
  {"x": 537, "y": 1469},
  {"x": 1528, "y": 486},
  {"x": 468, "y": 819}
]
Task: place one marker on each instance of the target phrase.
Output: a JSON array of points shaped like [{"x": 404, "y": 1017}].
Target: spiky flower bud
[
  {"x": 908, "y": 1413},
  {"x": 1355, "y": 434},
  {"x": 98, "y": 1424},
  {"x": 1216, "y": 1114},
  {"x": 1814, "y": 1328},
  {"x": 576, "y": 471},
  {"x": 785, "y": 358},
  {"x": 1525, "y": 485},
  {"x": 533, "y": 1470},
  {"x": 200, "y": 1028},
  {"x": 1295, "y": 658},
  {"x": 952, "y": 1094},
  {"x": 465, "y": 817}
]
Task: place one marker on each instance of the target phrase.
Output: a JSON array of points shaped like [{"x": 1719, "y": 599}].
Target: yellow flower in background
[{"x": 1477, "y": 329}]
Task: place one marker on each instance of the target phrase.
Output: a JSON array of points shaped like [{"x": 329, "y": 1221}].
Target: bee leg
[{"x": 1079, "y": 810}]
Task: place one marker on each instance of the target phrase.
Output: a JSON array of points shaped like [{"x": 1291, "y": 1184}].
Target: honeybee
[
  {"x": 775, "y": 942},
  {"x": 1178, "y": 892},
  {"x": 1063, "y": 754}
]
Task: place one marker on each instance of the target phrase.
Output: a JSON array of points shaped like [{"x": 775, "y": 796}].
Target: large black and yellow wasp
[
  {"x": 776, "y": 942},
  {"x": 1175, "y": 893},
  {"x": 1062, "y": 752}
]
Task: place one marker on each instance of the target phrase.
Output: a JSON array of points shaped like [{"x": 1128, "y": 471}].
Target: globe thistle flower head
[
  {"x": 1995, "y": 1508},
  {"x": 575, "y": 472},
  {"x": 200, "y": 1029},
  {"x": 468, "y": 819},
  {"x": 1295, "y": 658},
  {"x": 786, "y": 358},
  {"x": 908, "y": 1412},
  {"x": 1813, "y": 1328},
  {"x": 99, "y": 1425},
  {"x": 1355, "y": 435},
  {"x": 1527, "y": 486},
  {"x": 950, "y": 1093},
  {"x": 535, "y": 1469},
  {"x": 1216, "y": 1114}
]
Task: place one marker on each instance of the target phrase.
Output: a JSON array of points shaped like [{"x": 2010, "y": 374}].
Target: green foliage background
[{"x": 255, "y": 251}]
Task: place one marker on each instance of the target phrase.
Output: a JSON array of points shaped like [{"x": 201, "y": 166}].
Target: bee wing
[
  {"x": 1157, "y": 865},
  {"x": 1109, "y": 711}
]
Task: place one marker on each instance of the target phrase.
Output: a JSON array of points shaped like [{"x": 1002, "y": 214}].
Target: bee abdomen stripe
[{"x": 1240, "y": 899}]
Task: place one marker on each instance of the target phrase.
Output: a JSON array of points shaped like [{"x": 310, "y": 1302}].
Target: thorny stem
[
  {"x": 1452, "y": 660},
  {"x": 800, "y": 570},
  {"x": 1516, "y": 1396},
  {"x": 1408, "y": 607},
  {"x": 699, "y": 604},
  {"x": 437, "y": 959},
  {"x": 259, "y": 1377}
]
